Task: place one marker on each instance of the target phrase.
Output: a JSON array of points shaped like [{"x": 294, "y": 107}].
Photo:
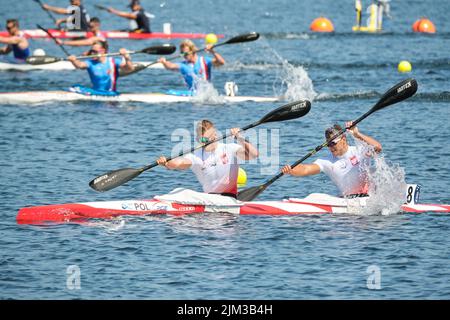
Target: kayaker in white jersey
[
  {"x": 346, "y": 165},
  {"x": 215, "y": 166},
  {"x": 15, "y": 43}
]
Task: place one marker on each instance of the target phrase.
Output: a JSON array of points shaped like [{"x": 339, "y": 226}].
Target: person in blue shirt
[
  {"x": 194, "y": 67},
  {"x": 15, "y": 43},
  {"x": 104, "y": 71}
]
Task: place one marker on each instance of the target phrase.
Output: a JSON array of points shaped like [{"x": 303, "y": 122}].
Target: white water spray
[
  {"x": 206, "y": 93},
  {"x": 295, "y": 81},
  {"x": 386, "y": 186}
]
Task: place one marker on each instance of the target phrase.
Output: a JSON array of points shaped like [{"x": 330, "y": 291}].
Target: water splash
[
  {"x": 386, "y": 185},
  {"x": 297, "y": 83},
  {"x": 206, "y": 93}
]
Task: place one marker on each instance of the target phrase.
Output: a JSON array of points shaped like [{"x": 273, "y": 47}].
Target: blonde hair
[
  {"x": 188, "y": 44},
  {"x": 203, "y": 126}
]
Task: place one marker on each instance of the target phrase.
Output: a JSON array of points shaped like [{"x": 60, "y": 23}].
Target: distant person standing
[
  {"x": 140, "y": 18},
  {"x": 15, "y": 42},
  {"x": 83, "y": 18},
  {"x": 358, "y": 8}
]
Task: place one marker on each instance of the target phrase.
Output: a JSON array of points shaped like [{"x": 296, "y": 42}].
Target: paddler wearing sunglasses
[
  {"x": 345, "y": 165},
  {"x": 216, "y": 165},
  {"x": 103, "y": 71}
]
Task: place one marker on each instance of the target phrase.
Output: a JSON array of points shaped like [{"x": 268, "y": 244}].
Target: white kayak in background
[{"x": 39, "y": 97}]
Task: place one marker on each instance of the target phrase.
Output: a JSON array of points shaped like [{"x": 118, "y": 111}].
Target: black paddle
[
  {"x": 100, "y": 7},
  {"x": 49, "y": 13},
  {"x": 156, "y": 50},
  {"x": 252, "y": 36},
  {"x": 399, "y": 92},
  {"x": 54, "y": 39},
  {"x": 116, "y": 178}
]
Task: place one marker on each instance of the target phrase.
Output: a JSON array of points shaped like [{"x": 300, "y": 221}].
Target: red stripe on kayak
[
  {"x": 442, "y": 208},
  {"x": 261, "y": 209}
]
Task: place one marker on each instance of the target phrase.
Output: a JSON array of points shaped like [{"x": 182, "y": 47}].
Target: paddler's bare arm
[
  {"x": 81, "y": 42},
  {"x": 55, "y": 9},
  {"x": 77, "y": 63},
  {"x": 174, "y": 164},
  {"x": 248, "y": 151},
  {"x": 369, "y": 140},
  {"x": 301, "y": 170},
  {"x": 10, "y": 40},
  {"x": 123, "y": 14},
  {"x": 127, "y": 64},
  {"x": 168, "y": 65},
  {"x": 218, "y": 59}
]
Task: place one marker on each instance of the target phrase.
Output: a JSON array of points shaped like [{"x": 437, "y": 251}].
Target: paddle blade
[
  {"x": 251, "y": 193},
  {"x": 114, "y": 179},
  {"x": 397, "y": 93},
  {"x": 252, "y": 36},
  {"x": 289, "y": 111},
  {"x": 160, "y": 50},
  {"x": 38, "y": 60}
]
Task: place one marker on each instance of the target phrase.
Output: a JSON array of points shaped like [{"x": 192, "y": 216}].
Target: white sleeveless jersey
[
  {"x": 217, "y": 171},
  {"x": 349, "y": 171}
]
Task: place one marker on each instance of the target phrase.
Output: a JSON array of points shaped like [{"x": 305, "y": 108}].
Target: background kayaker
[
  {"x": 140, "y": 18},
  {"x": 94, "y": 28},
  {"x": 15, "y": 43},
  {"x": 346, "y": 165},
  {"x": 194, "y": 66},
  {"x": 83, "y": 15},
  {"x": 104, "y": 71},
  {"x": 215, "y": 166}
]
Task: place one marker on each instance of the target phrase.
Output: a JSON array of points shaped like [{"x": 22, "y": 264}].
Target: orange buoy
[
  {"x": 321, "y": 24},
  {"x": 424, "y": 25}
]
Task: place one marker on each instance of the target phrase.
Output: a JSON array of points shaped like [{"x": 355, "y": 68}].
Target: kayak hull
[
  {"x": 106, "y": 210},
  {"x": 39, "y": 97}
]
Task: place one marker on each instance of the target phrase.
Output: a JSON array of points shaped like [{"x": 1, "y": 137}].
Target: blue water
[{"x": 50, "y": 152}]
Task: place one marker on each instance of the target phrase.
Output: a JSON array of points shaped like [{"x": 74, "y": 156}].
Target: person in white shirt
[
  {"x": 346, "y": 165},
  {"x": 216, "y": 165}
]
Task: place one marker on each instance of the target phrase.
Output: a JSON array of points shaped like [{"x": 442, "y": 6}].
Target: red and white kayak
[
  {"x": 313, "y": 204},
  {"x": 36, "y": 34}
]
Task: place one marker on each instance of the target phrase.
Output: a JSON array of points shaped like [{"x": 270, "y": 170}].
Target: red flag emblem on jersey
[
  {"x": 224, "y": 158},
  {"x": 354, "y": 160}
]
